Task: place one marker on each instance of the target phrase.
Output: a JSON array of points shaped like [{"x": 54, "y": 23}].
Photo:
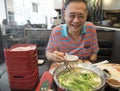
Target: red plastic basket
[
  {"x": 24, "y": 81},
  {"x": 22, "y": 73},
  {"x": 23, "y": 84},
  {"x": 9, "y": 53},
  {"x": 21, "y": 66},
  {"x": 27, "y": 53},
  {"x": 21, "y": 58},
  {"x": 23, "y": 77}
]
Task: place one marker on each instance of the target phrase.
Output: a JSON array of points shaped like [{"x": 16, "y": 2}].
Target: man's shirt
[{"x": 84, "y": 47}]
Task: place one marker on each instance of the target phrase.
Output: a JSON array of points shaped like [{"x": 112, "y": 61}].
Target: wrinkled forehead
[
  {"x": 73, "y": 2},
  {"x": 76, "y": 7}
]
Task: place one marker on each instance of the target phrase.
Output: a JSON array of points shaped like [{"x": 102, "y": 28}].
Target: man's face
[{"x": 75, "y": 16}]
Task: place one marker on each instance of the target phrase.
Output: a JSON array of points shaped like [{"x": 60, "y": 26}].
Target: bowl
[
  {"x": 113, "y": 83},
  {"x": 114, "y": 71},
  {"x": 71, "y": 58}
]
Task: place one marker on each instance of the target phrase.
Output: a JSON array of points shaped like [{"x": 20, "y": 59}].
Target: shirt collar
[{"x": 65, "y": 33}]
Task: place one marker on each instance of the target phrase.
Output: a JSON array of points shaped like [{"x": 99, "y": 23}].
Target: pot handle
[
  {"x": 106, "y": 73},
  {"x": 100, "y": 63}
]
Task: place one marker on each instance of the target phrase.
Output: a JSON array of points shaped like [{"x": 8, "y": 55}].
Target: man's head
[
  {"x": 28, "y": 22},
  {"x": 75, "y": 14},
  {"x": 5, "y": 21}
]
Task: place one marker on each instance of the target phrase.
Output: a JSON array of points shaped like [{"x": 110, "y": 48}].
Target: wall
[
  {"x": 10, "y": 6},
  {"x": 41, "y": 37},
  {"x": 57, "y": 4},
  {"x": 1, "y": 48},
  {"x": 111, "y": 4},
  {"x": 105, "y": 41},
  {"x": 116, "y": 48},
  {"x": 2, "y": 10}
]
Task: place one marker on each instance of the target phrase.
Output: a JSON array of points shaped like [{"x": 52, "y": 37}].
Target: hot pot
[{"x": 86, "y": 66}]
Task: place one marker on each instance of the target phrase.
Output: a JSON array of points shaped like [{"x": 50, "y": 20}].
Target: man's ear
[
  {"x": 64, "y": 14},
  {"x": 86, "y": 13}
]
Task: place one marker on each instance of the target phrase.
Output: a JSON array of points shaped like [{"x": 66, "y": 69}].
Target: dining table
[{"x": 47, "y": 80}]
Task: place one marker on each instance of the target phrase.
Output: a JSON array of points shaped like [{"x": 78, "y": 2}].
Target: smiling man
[{"x": 76, "y": 37}]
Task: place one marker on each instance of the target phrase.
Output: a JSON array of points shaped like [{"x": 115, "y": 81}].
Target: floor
[{"x": 4, "y": 83}]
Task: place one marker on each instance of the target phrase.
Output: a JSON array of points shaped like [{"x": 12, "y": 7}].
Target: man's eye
[
  {"x": 80, "y": 16},
  {"x": 72, "y": 16}
]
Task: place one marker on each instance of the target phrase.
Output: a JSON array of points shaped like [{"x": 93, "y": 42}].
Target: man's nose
[{"x": 76, "y": 19}]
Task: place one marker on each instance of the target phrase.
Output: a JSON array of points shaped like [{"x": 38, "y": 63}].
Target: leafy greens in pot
[{"x": 80, "y": 80}]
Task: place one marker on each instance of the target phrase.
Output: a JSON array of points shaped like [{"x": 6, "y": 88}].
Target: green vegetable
[{"x": 80, "y": 81}]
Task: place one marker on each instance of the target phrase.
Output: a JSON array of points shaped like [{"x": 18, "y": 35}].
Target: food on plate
[
  {"x": 117, "y": 68},
  {"x": 80, "y": 80},
  {"x": 114, "y": 70},
  {"x": 113, "y": 82}
]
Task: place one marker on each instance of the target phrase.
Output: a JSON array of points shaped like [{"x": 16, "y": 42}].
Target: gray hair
[{"x": 67, "y": 2}]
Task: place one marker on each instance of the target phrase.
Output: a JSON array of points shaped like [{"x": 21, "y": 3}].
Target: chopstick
[{"x": 68, "y": 66}]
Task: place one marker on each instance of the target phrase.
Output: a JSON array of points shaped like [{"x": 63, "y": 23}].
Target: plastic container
[{"x": 22, "y": 66}]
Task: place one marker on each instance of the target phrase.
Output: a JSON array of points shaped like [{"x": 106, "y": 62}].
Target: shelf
[{"x": 112, "y": 11}]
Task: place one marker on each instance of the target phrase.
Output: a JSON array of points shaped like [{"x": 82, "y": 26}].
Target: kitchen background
[
  {"x": 45, "y": 15},
  {"x": 44, "y": 12}
]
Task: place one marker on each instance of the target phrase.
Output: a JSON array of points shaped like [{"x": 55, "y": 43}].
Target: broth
[{"x": 79, "y": 79}]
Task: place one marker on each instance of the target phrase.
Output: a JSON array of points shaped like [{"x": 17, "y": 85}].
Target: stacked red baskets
[{"x": 22, "y": 68}]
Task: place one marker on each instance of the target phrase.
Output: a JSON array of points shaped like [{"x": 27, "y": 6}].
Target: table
[{"x": 47, "y": 76}]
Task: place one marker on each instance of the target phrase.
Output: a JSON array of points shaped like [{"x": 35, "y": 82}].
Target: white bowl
[
  {"x": 71, "y": 58},
  {"x": 112, "y": 84}
]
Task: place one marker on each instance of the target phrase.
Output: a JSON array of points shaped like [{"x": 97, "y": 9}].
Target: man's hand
[
  {"x": 55, "y": 56},
  {"x": 58, "y": 56}
]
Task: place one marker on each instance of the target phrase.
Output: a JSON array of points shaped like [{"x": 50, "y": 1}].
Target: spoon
[{"x": 67, "y": 56}]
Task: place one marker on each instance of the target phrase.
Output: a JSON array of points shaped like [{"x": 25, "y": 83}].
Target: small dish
[
  {"x": 113, "y": 83},
  {"x": 40, "y": 61},
  {"x": 114, "y": 70},
  {"x": 71, "y": 58}
]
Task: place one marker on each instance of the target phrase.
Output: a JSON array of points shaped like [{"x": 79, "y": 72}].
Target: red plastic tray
[
  {"x": 23, "y": 77},
  {"x": 23, "y": 85},
  {"x": 9, "y": 53},
  {"x": 19, "y": 81},
  {"x": 22, "y": 73},
  {"x": 22, "y": 67},
  {"x": 21, "y": 58},
  {"x": 24, "y": 82},
  {"x": 22, "y": 63}
]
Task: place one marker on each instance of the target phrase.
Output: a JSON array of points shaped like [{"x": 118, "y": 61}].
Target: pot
[{"x": 59, "y": 70}]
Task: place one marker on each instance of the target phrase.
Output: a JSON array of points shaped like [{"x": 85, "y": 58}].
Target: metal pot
[{"x": 89, "y": 67}]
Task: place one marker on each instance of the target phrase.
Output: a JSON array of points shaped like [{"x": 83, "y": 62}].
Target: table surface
[
  {"x": 54, "y": 86},
  {"x": 4, "y": 83}
]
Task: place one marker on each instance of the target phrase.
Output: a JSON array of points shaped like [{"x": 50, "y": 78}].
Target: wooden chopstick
[
  {"x": 67, "y": 63},
  {"x": 69, "y": 67}
]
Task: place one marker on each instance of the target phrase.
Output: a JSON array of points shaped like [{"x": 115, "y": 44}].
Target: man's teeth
[{"x": 76, "y": 25}]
